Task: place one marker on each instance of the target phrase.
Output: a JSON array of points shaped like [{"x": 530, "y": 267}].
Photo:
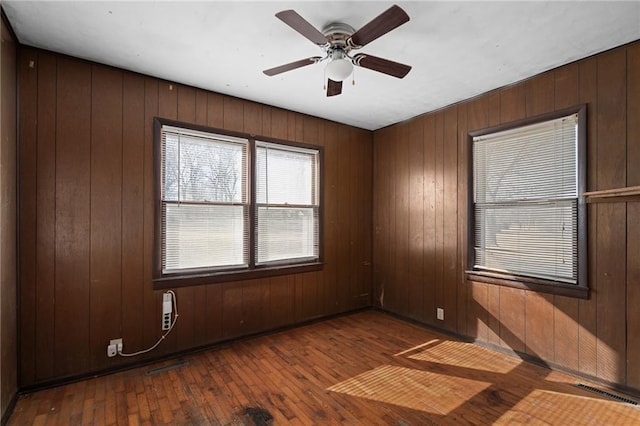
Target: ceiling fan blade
[
  {"x": 384, "y": 66},
  {"x": 385, "y": 22},
  {"x": 334, "y": 88},
  {"x": 292, "y": 66},
  {"x": 298, "y": 23}
]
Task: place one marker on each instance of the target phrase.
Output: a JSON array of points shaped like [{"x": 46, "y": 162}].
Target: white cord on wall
[{"x": 175, "y": 318}]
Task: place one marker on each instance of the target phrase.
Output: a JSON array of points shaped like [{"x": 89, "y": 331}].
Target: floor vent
[
  {"x": 166, "y": 367},
  {"x": 607, "y": 394}
]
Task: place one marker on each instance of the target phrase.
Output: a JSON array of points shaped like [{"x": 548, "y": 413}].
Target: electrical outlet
[
  {"x": 167, "y": 308},
  {"x": 440, "y": 314},
  {"x": 114, "y": 347},
  {"x": 112, "y": 351}
]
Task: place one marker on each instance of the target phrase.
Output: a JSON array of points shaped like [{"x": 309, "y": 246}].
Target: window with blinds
[
  {"x": 525, "y": 200},
  {"x": 204, "y": 201},
  {"x": 287, "y": 203},
  {"x": 230, "y": 207}
]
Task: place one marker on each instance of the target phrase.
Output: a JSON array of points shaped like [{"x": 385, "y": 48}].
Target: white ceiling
[{"x": 457, "y": 49}]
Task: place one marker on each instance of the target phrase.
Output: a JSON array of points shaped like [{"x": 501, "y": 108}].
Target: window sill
[
  {"x": 532, "y": 284},
  {"x": 174, "y": 281}
]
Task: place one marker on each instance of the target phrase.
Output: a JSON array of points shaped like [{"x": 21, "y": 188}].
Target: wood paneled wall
[
  {"x": 8, "y": 220},
  {"x": 86, "y": 219},
  {"x": 420, "y": 223}
]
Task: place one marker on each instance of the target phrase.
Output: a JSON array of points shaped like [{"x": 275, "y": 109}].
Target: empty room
[{"x": 343, "y": 212}]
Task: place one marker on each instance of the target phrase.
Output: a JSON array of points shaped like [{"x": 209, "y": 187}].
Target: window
[
  {"x": 528, "y": 215},
  {"x": 287, "y": 202},
  {"x": 215, "y": 222}
]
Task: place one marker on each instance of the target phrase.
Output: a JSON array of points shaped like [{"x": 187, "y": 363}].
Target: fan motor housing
[{"x": 337, "y": 34}]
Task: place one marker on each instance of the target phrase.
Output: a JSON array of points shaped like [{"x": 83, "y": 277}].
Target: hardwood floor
[{"x": 365, "y": 368}]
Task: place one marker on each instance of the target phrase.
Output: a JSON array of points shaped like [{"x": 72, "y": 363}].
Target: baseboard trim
[
  {"x": 176, "y": 355},
  {"x": 9, "y": 411},
  {"x": 612, "y": 386}
]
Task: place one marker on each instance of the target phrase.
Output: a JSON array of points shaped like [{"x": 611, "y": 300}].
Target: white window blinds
[
  {"x": 204, "y": 200},
  {"x": 526, "y": 199},
  {"x": 287, "y": 219}
]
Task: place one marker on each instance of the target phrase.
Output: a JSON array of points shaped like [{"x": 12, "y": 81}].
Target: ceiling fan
[{"x": 337, "y": 40}]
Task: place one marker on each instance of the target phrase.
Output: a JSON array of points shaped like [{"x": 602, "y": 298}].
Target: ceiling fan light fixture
[{"x": 339, "y": 69}]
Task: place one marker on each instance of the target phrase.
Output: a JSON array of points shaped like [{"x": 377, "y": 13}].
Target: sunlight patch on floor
[
  {"x": 547, "y": 407},
  {"x": 411, "y": 388},
  {"x": 466, "y": 355}
]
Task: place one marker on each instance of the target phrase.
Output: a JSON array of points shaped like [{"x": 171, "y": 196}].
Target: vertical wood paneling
[
  {"x": 439, "y": 212},
  {"x": 587, "y": 313},
  {"x": 429, "y": 259},
  {"x": 478, "y": 317},
  {"x": 342, "y": 222},
  {"x": 233, "y": 114},
  {"x": 9, "y": 173},
  {"x": 106, "y": 209},
  {"x": 46, "y": 216},
  {"x": 463, "y": 219},
  {"x": 27, "y": 196},
  {"x": 539, "y": 94},
  {"x": 133, "y": 284},
  {"x": 539, "y": 310},
  {"x": 252, "y": 120},
  {"x": 512, "y": 330},
  {"x": 512, "y": 103},
  {"x": 633, "y": 217},
  {"x": 281, "y": 291},
  {"x": 215, "y": 110},
  {"x": 311, "y": 305},
  {"x": 611, "y": 217},
  {"x": 566, "y": 321},
  {"x": 539, "y": 325},
  {"x": 168, "y": 108},
  {"x": 355, "y": 236},
  {"x": 185, "y": 329},
  {"x": 251, "y": 306},
  {"x": 477, "y": 303},
  {"x": 365, "y": 217},
  {"x": 331, "y": 208},
  {"x": 566, "y": 86},
  {"x": 401, "y": 275},
  {"x": 390, "y": 299},
  {"x": 232, "y": 309},
  {"x": 450, "y": 219},
  {"x": 566, "y": 331},
  {"x": 416, "y": 220},
  {"x": 73, "y": 189},
  {"x": 150, "y": 299}
]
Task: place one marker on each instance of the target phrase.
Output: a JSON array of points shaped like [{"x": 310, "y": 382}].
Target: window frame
[
  {"x": 581, "y": 288},
  {"x": 252, "y": 271}
]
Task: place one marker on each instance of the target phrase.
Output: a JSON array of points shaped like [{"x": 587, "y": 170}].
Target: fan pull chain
[
  {"x": 353, "y": 76},
  {"x": 324, "y": 81}
]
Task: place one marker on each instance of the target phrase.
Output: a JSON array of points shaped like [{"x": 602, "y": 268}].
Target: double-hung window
[
  {"x": 231, "y": 207},
  {"x": 288, "y": 209},
  {"x": 528, "y": 215}
]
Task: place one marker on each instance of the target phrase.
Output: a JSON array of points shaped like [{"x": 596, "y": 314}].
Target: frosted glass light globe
[{"x": 339, "y": 69}]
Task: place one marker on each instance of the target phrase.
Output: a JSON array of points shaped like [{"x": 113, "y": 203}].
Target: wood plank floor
[{"x": 365, "y": 368}]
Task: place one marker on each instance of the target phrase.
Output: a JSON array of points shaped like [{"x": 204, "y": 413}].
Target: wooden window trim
[
  {"x": 184, "y": 279},
  {"x": 579, "y": 290}
]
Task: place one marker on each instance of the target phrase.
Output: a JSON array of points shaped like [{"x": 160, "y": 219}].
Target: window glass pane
[
  {"x": 537, "y": 239},
  {"x": 526, "y": 166},
  {"x": 203, "y": 169},
  {"x": 285, "y": 176},
  {"x": 202, "y": 236},
  {"x": 286, "y": 233},
  {"x": 525, "y": 194}
]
